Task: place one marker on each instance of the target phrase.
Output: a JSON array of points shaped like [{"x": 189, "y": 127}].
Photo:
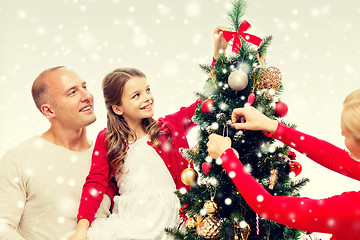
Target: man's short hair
[{"x": 39, "y": 87}]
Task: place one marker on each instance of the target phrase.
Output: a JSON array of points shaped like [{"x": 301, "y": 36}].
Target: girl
[
  {"x": 143, "y": 156},
  {"x": 338, "y": 215}
]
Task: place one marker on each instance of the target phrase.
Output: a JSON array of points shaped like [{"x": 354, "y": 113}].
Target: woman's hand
[
  {"x": 220, "y": 44},
  {"x": 217, "y": 145},
  {"x": 252, "y": 119}
]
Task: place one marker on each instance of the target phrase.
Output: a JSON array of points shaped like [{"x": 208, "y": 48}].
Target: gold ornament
[
  {"x": 210, "y": 206},
  {"x": 270, "y": 79},
  {"x": 212, "y": 76},
  {"x": 189, "y": 176},
  {"x": 209, "y": 227},
  {"x": 191, "y": 223},
  {"x": 273, "y": 178},
  {"x": 242, "y": 229}
]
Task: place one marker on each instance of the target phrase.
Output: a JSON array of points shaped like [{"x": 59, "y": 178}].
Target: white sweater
[{"x": 40, "y": 189}]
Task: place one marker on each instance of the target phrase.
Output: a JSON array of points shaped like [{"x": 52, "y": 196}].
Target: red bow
[{"x": 247, "y": 37}]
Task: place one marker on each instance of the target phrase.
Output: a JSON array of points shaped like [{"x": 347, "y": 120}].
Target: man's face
[{"x": 71, "y": 102}]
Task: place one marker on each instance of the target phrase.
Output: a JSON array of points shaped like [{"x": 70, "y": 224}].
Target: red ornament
[
  {"x": 251, "y": 98},
  {"x": 206, "y": 167},
  {"x": 281, "y": 109},
  {"x": 295, "y": 167},
  {"x": 207, "y": 106},
  {"x": 291, "y": 155}
]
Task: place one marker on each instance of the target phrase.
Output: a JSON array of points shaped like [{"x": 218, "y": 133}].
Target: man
[{"x": 41, "y": 179}]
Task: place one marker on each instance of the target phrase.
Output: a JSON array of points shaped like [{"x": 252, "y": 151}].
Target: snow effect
[
  {"x": 260, "y": 198},
  {"x": 182, "y": 35}
]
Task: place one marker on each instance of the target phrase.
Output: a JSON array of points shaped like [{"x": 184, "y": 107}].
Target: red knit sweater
[
  {"x": 177, "y": 125},
  {"x": 338, "y": 215}
]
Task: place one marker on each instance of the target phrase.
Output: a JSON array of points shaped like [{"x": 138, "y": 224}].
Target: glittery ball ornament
[
  {"x": 238, "y": 80},
  {"x": 189, "y": 176},
  {"x": 295, "y": 167},
  {"x": 191, "y": 223},
  {"x": 210, "y": 206},
  {"x": 209, "y": 227},
  {"x": 270, "y": 79},
  {"x": 207, "y": 106}
]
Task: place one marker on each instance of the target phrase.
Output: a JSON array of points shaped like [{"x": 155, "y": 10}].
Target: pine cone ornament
[
  {"x": 209, "y": 227},
  {"x": 270, "y": 79}
]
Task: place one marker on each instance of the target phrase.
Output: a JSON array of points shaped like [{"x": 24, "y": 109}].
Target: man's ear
[
  {"x": 47, "y": 110},
  {"x": 117, "y": 110}
]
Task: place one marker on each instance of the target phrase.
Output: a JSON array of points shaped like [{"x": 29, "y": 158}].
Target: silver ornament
[{"x": 238, "y": 80}]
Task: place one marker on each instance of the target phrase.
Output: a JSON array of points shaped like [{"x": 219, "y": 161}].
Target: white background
[{"x": 315, "y": 45}]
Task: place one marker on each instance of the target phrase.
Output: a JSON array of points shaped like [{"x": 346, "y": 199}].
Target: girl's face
[
  {"x": 350, "y": 142},
  {"x": 137, "y": 101}
]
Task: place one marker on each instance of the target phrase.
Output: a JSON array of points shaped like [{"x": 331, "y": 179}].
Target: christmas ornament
[
  {"x": 244, "y": 26},
  {"x": 238, "y": 80},
  {"x": 273, "y": 178},
  {"x": 210, "y": 206},
  {"x": 209, "y": 227},
  {"x": 190, "y": 223},
  {"x": 251, "y": 98},
  {"x": 291, "y": 155},
  {"x": 242, "y": 229},
  {"x": 281, "y": 109},
  {"x": 206, "y": 167},
  {"x": 207, "y": 106},
  {"x": 189, "y": 176},
  {"x": 270, "y": 79},
  {"x": 295, "y": 167}
]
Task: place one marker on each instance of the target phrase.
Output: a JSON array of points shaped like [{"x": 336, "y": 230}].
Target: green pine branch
[
  {"x": 264, "y": 45},
  {"x": 237, "y": 13}
]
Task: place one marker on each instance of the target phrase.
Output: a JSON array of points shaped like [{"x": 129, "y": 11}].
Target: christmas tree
[{"x": 213, "y": 208}]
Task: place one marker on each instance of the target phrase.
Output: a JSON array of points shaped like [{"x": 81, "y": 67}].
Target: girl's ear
[{"x": 117, "y": 110}]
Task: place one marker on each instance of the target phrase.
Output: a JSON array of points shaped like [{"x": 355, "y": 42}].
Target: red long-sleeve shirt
[
  {"x": 338, "y": 215},
  {"x": 177, "y": 125}
]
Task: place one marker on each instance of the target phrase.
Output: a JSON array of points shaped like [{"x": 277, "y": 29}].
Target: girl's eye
[
  {"x": 148, "y": 90},
  {"x": 136, "y": 95}
]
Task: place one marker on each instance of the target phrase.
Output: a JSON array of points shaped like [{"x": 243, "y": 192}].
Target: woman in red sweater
[{"x": 338, "y": 215}]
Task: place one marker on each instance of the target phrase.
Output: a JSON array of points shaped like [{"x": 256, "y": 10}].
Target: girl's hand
[
  {"x": 217, "y": 145},
  {"x": 81, "y": 230},
  {"x": 220, "y": 44},
  {"x": 78, "y": 235},
  {"x": 252, "y": 119}
]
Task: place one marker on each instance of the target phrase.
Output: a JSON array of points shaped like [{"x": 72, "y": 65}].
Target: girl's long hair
[{"x": 117, "y": 128}]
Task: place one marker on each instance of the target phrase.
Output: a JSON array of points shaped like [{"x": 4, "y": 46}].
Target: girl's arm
[
  {"x": 183, "y": 118},
  {"x": 94, "y": 188},
  {"x": 320, "y": 151},
  {"x": 339, "y": 215}
]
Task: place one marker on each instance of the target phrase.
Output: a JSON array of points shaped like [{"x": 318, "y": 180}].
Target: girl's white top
[{"x": 147, "y": 203}]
